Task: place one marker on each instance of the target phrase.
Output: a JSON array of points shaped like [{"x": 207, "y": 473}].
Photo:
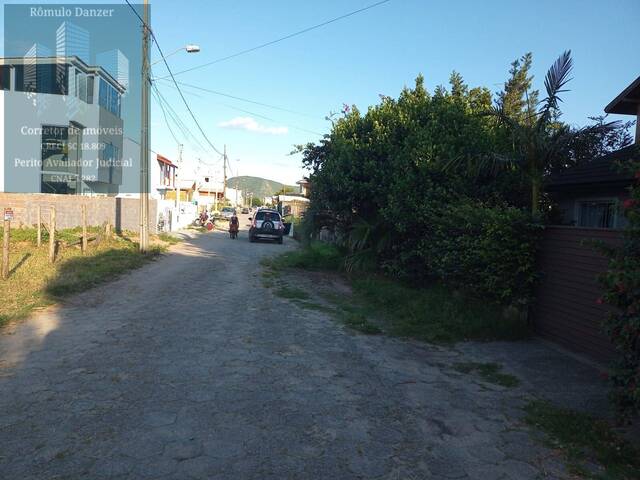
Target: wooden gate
[{"x": 567, "y": 309}]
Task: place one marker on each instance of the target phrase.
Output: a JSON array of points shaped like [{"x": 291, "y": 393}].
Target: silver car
[
  {"x": 266, "y": 223},
  {"x": 228, "y": 212}
]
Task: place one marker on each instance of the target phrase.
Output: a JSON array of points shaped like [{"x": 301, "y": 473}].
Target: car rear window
[{"x": 268, "y": 216}]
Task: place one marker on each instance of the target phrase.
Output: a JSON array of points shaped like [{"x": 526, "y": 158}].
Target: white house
[
  {"x": 234, "y": 196},
  {"x": 209, "y": 192}
]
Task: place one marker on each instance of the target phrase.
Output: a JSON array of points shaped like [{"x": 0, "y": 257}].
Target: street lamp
[{"x": 191, "y": 48}]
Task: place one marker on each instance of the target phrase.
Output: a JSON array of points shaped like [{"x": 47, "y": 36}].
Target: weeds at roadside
[
  {"x": 359, "y": 322},
  {"x": 168, "y": 238},
  {"x": 432, "y": 313},
  {"x": 585, "y": 440},
  {"x": 291, "y": 293},
  {"x": 314, "y": 306},
  {"x": 318, "y": 257},
  {"x": 489, "y": 372}
]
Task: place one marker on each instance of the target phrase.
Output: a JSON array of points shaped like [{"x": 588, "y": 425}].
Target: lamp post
[
  {"x": 144, "y": 137},
  {"x": 187, "y": 48}
]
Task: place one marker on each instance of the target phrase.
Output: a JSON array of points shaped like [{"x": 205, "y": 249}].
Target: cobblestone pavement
[{"x": 189, "y": 368}]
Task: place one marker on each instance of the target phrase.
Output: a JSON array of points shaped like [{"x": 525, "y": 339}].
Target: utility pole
[
  {"x": 144, "y": 140},
  {"x": 177, "y": 186},
  {"x": 224, "y": 169}
]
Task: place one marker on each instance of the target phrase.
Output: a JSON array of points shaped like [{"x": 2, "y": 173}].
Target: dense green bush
[{"x": 487, "y": 250}]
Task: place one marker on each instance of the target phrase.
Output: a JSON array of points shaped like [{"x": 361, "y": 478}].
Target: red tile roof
[{"x": 165, "y": 160}]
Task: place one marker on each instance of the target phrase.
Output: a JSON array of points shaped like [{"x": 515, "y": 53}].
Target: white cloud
[{"x": 249, "y": 124}]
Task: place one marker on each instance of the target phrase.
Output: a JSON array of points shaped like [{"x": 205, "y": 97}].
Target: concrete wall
[{"x": 123, "y": 213}]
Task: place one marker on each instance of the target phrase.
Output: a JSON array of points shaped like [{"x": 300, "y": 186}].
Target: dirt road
[{"x": 190, "y": 368}]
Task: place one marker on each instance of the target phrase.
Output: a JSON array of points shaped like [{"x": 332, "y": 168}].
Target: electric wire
[{"x": 277, "y": 40}]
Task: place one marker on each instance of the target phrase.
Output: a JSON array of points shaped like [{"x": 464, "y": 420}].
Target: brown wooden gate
[{"x": 566, "y": 309}]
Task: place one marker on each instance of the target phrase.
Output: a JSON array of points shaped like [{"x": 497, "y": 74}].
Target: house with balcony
[{"x": 163, "y": 174}]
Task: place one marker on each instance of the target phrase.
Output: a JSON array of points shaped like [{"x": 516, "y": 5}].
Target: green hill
[{"x": 261, "y": 187}]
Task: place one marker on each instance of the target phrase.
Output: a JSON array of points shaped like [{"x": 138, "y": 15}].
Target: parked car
[
  {"x": 267, "y": 224},
  {"x": 245, "y": 211},
  {"x": 228, "y": 212}
]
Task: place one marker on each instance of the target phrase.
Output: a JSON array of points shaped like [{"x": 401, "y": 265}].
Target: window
[
  {"x": 90, "y": 89},
  {"x": 272, "y": 216},
  {"x": 597, "y": 214},
  {"x": 57, "y": 175},
  {"x": 81, "y": 86},
  {"x": 5, "y": 77},
  {"x": 109, "y": 98},
  {"x": 42, "y": 78},
  {"x": 109, "y": 158}
]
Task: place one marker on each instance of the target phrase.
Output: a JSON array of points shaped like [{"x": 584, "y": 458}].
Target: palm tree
[{"x": 539, "y": 142}]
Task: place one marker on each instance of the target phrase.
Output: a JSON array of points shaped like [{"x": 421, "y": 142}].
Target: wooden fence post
[
  {"x": 39, "y": 226},
  {"x": 5, "y": 249},
  {"x": 52, "y": 235},
  {"x": 84, "y": 228},
  {"x": 108, "y": 229}
]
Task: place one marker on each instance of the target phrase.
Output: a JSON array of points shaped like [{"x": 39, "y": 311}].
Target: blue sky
[{"x": 378, "y": 51}]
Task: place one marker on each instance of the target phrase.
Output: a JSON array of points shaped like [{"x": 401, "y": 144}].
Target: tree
[
  {"x": 517, "y": 98},
  {"x": 285, "y": 190},
  {"x": 540, "y": 142}
]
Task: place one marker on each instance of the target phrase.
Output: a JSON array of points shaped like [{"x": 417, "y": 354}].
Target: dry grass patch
[{"x": 34, "y": 282}]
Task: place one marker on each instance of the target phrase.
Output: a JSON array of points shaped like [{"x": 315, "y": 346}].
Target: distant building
[
  {"x": 234, "y": 196},
  {"x": 305, "y": 187},
  {"x": 294, "y": 205},
  {"x": 163, "y": 174},
  {"x": 210, "y": 192}
]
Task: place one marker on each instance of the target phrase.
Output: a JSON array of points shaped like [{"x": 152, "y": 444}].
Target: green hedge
[{"x": 486, "y": 250}]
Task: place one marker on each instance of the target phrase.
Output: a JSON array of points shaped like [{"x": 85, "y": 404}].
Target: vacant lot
[{"x": 34, "y": 281}]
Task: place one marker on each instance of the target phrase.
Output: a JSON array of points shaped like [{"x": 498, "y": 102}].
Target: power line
[
  {"x": 255, "y": 102},
  {"x": 164, "y": 114},
  {"x": 270, "y": 119},
  {"x": 286, "y": 37},
  {"x": 179, "y": 123},
  {"x": 164, "y": 60},
  {"x": 233, "y": 107}
]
